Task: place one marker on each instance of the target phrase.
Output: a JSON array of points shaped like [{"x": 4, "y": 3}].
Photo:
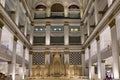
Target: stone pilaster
[
  {"x": 47, "y": 39},
  {"x": 66, "y": 33}
]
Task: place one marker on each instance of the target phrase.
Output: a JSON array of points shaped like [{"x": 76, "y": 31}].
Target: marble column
[
  {"x": 96, "y": 11},
  {"x": 103, "y": 70},
  {"x": 9, "y": 68},
  {"x": 1, "y": 26},
  {"x": 3, "y": 2},
  {"x": 23, "y": 64},
  {"x": 109, "y": 2},
  {"x": 26, "y": 26},
  {"x": 48, "y": 12},
  {"x": 14, "y": 58},
  {"x": 82, "y": 33},
  {"x": 93, "y": 71},
  {"x": 17, "y": 12},
  {"x": 66, "y": 12},
  {"x": 115, "y": 50},
  {"x": 81, "y": 11},
  {"x": 83, "y": 63},
  {"x": 47, "y": 39},
  {"x": 32, "y": 32},
  {"x": 66, "y": 33},
  {"x": 88, "y": 25},
  {"x": 99, "y": 58},
  {"x": 30, "y": 62},
  {"x": 90, "y": 64}
]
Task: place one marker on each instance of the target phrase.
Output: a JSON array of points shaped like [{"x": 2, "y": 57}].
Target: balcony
[
  {"x": 5, "y": 53},
  {"x": 57, "y": 15}
]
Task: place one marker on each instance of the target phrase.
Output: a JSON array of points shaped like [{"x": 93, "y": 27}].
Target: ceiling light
[
  {"x": 55, "y": 29},
  {"x": 36, "y": 29},
  {"x": 60, "y": 29},
  {"x": 41, "y": 29},
  {"x": 72, "y": 29},
  {"x": 76, "y": 29}
]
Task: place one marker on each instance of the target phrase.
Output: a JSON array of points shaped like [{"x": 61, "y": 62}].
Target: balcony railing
[
  {"x": 5, "y": 52},
  {"x": 60, "y": 15},
  {"x": 57, "y": 14},
  {"x": 40, "y": 15},
  {"x": 106, "y": 52}
]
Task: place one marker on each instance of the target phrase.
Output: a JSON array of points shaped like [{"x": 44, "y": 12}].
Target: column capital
[
  {"x": 81, "y": 23},
  {"x": 1, "y": 24},
  {"x": 66, "y": 23},
  {"x": 83, "y": 52},
  {"x": 13, "y": 12},
  {"x": 32, "y": 23},
  {"x": 66, "y": 51},
  {"x": 103, "y": 61},
  {"x": 47, "y": 51},
  {"x": 112, "y": 23},
  {"x": 48, "y": 24},
  {"x": 89, "y": 47},
  {"x": 98, "y": 38},
  {"x": 15, "y": 38},
  {"x": 93, "y": 65},
  {"x": 9, "y": 62},
  {"x": 24, "y": 47}
]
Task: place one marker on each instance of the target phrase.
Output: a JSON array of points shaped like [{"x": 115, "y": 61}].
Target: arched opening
[
  {"x": 40, "y": 7},
  {"x": 73, "y": 7},
  {"x": 74, "y": 11},
  {"x": 40, "y": 11},
  {"x": 57, "y": 10}
]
